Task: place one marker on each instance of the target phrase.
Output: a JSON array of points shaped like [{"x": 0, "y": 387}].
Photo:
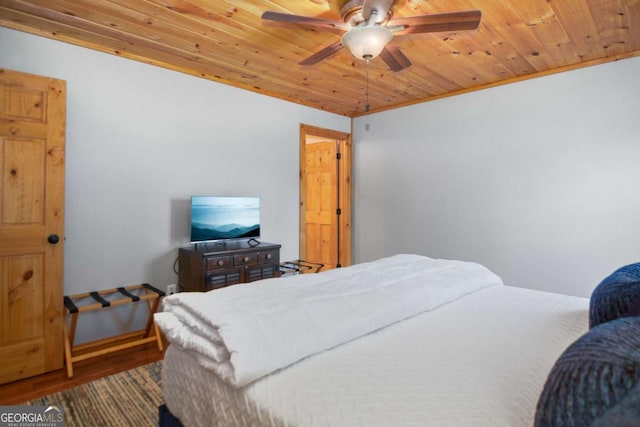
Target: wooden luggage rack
[
  {"x": 142, "y": 292},
  {"x": 300, "y": 266}
]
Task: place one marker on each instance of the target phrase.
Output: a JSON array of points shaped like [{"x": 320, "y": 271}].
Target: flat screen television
[{"x": 219, "y": 218}]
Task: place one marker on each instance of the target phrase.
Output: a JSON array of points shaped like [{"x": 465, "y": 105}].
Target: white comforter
[
  {"x": 245, "y": 332},
  {"x": 480, "y": 361}
]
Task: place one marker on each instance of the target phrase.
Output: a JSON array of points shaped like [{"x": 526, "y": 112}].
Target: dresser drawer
[
  {"x": 268, "y": 256},
  {"x": 218, "y": 262},
  {"x": 245, "y": 259}
]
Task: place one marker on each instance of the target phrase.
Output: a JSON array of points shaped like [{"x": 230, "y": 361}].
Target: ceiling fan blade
[
  {"x": 455, "y": 21},
  {"x": 394, "y": 58},
  {"x": 323, "y": 54},
  {"x": 380, "y": 6},
  {"x": 305, "y": 21}
]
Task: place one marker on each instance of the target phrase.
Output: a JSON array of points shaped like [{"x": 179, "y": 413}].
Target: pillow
[
  {"x": 595, "y": 380},
  {"x": 616, "y": 296},
  {"x": 624, "y": 414}
]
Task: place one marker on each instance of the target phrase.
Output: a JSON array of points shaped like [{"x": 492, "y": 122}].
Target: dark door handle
[{"x": 53, "y": 239}]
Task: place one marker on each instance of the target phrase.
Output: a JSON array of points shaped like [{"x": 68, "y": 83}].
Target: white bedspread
[
  {"x": 245, "y": 332},
  {"x": 480, "y": 361}
]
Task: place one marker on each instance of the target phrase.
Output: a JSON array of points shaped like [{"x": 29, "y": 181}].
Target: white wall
[
  {"x": 538, "y": 180},
  {"x": 141, "y": 140}
]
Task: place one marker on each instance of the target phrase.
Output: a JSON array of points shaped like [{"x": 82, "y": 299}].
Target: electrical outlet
[{"x": 171, "y": 289}]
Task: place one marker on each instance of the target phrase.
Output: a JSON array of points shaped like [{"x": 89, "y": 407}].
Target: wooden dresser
[{"x": 214, "y": 265}]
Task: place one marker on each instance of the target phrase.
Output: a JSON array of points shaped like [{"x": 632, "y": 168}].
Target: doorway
[{"x": 325, "y": 196}]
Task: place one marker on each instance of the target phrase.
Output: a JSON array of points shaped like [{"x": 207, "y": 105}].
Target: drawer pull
[
  {"x": 220, "y": 263},
  {"x": 245, "y": 259},
  {"x": 268, "y": 256}
]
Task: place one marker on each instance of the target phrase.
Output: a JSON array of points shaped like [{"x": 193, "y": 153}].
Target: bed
[{"x": 405, "y": 340}]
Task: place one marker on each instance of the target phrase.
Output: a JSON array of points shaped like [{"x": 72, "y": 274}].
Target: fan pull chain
[{"x": 367, "y": 106}]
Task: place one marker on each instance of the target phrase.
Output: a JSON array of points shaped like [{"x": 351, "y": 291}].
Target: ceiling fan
[{"x": 368, "y": 28}]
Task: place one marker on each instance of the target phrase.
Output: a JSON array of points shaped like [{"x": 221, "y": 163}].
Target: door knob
[{"x": 53, "y": 239}]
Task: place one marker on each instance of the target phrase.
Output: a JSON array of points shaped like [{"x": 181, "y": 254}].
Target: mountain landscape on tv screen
[{"x": 200, "y": 232}]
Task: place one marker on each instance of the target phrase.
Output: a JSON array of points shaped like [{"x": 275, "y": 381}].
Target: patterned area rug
[{"x": 130, "y": 398}]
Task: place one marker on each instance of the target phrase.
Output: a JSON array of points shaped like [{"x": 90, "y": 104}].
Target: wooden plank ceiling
[{"x": 226, "y": 41}]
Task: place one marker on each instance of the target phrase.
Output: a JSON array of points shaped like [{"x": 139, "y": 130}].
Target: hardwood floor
[{"x": 84, "y": 371}]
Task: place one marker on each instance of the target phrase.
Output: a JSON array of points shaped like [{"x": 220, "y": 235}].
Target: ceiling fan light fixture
[{"x": 367, "y": 41}]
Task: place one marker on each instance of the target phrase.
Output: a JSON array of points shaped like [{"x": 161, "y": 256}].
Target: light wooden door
[
  {"x": 32, "y": 137},
  {"x": 325, "y": 197},
  {"x": 321, "y": 217}
]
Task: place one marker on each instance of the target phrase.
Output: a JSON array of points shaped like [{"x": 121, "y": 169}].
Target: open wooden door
[
  {"x": 32, "y": 138},
  {"x": 325, "y": 196}
]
